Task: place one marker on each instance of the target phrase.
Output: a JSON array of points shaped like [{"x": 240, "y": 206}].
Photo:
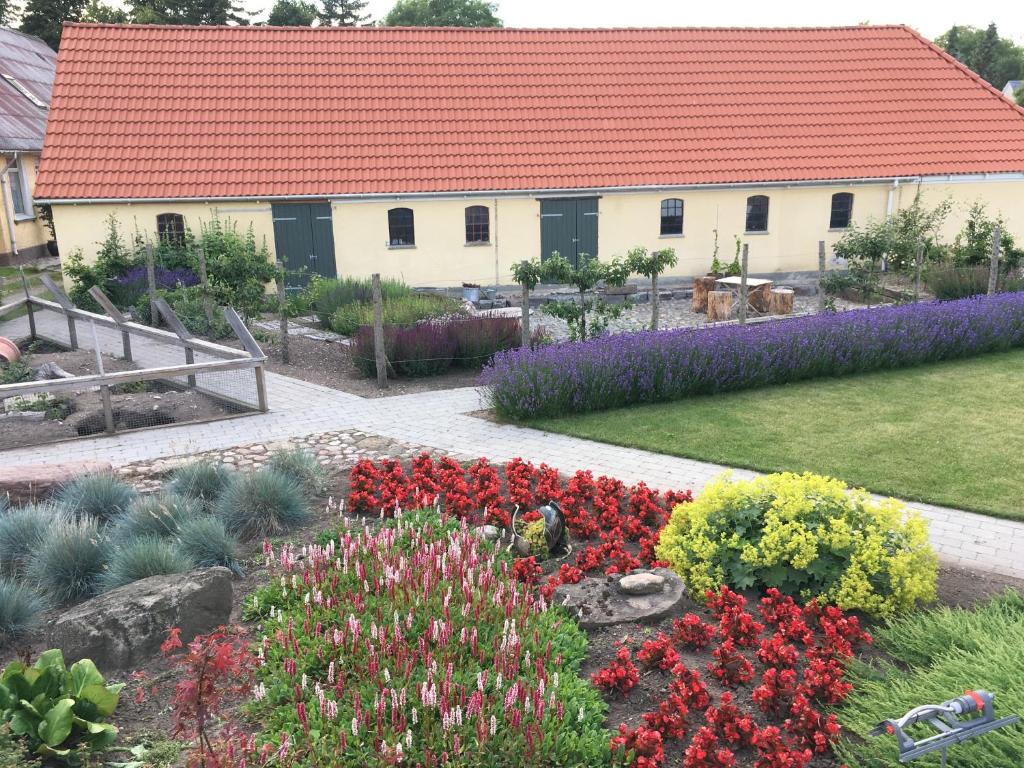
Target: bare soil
[
  {"x": 329, "y": 364},
  {"x": 80, "y": 413}
]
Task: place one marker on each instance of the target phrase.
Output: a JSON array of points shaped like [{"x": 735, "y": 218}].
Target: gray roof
[{"x": 32, "y": 64}]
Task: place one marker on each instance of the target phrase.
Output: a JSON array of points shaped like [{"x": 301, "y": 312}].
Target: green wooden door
[
  {"x": 304, "y": 239},
  {"x": 569, "y": 226}
]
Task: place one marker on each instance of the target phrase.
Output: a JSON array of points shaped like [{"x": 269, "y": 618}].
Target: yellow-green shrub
[
  {"x": 534, "y": 534},
  {"x": 807, "y": 535}
]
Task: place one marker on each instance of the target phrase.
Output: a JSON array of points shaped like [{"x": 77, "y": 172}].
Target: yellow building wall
[
  {"x": 798, "y": 219},
  {"x": 31, "y": 232}
]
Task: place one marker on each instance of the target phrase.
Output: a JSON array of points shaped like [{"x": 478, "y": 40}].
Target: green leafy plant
[
  {"x": 237, "y": 267},
  {"x": 733, "y": 268},
  {"x": 141, "y": 558},
  {"x": 202, "y": 480},
  {"x": 12, "y": 751},
  {"x": 20, "y": 609},
  {"x": 17, "y": 372},
  {"x": 716, "y": 264},
  {"x": 534, "y": 535},
  {"x": 22, "y": 530},
  {"x": 206, "y": 542},
  {"x": 263, "y": 503},
  {"x": 68, "y": 563},
  {"x": 805, "y": 535},
  {"x": 401, "y": 310},
  {"x": 158, "y": 515},
  {"x": 325, "y": 295},
  {"x": 584, "y": 277},
  {"x": 100, "y": 496},
  {"x": 973, "y": 244},
  {"x": 302, "y": 467},
  {"x": 114, "y": 258},
  {"x": 651, "y": 265},
  {"x": 60, "y": 711},
  {"x": 55, "y": 408}
]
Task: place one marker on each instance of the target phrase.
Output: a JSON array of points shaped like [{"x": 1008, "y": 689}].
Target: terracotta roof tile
[{"x": 208, "y": 112}]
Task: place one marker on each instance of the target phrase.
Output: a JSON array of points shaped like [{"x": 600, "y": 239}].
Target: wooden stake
[
  {"x": 154, "y": 313},
  {"x": 284, "y": 314},
  {"x": 205, "y": 285},
  {"x": 378, "y": 334},
  {"x": 821, "y": 275},
  {"x": 28, "y": 304},
  {"x": 993, "y": 269},
  {"x": 654, "y": 302},
  {"x": 526, "y": 316},
  {"x": 743, "y": 284},
  {"x": 918, "y": 264}
]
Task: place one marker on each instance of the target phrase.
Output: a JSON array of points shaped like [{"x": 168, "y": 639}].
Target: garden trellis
[{"x": 148, "y": 359}]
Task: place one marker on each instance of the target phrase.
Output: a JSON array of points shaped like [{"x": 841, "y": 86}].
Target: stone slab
[
  {"x": 30, "y": 482},
  {"x": 598, "y": 602}
]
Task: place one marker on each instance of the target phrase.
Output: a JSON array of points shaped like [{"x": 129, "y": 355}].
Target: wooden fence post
[
  {"x": 526, "y": 316},
  {"x": 108, "y": 410},
  {"x": 65, "y": 303},
  {"x": 918, "y": 265},
  {"x": 284, "y": 314},
  {"x": 821, "y": 276},
  {"x": 993, "y": 267},
  {"x": 743, "y": 284},
  {"x": 115, "y": 314},
  {"x": 204, "y": 285},
  {"x": 28, "y": 304},
  {"x": 380, "y": 357},
  {"x": 154, "y": 313}
]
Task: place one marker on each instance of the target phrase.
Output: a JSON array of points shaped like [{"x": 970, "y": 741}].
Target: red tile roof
[{"x": 207, "y": 112}]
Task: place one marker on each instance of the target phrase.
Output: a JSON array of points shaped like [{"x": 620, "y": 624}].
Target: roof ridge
[{"x": 491, "y": 30}]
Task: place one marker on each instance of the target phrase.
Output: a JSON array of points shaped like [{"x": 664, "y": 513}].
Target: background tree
[
  {"x": 342, "y": 13},
  {"x": 8, "y": 12},
  {"x": 203, "y": 12},
  {"x": 1019, "y": 96},
  {"x": 443, "y": 13},
  {"x": 997, "y": 59},
  {"x": 45, "y": 18},
  {"x": 586, "y": 276},
  {"x": 98, "y": 12},
  {"x": 292, "y": 13}
]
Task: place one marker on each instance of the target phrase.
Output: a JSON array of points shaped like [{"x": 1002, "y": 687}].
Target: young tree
[
  {"x": 651, "y": 265},
  {"x": 985, "y": 53},
  {"x": 584, "y": 277},
  {"x": 443, "y": 13},
  {"x": 98, "y": 12},
  {"x": 292, "y": 13},
  {"x": 342, "y": 13},
  {"x": 527, "y": 274},
  {"x": 8, "y": 12},
  {"x": 45, "y": 18}
]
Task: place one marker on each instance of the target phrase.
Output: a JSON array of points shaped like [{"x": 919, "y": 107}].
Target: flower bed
[
  {"x": 626, "y": 369},
  {"x": 414, "y": 644}
]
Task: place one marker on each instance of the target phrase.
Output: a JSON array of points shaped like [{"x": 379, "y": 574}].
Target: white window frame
[{"x": 17, "y": 175}]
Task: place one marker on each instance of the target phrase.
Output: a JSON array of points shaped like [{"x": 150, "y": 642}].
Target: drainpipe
[
  {"x": 8, "y": 204},
  {"x": 497, "y": 261},
  {"x": 888, "y": 213}
]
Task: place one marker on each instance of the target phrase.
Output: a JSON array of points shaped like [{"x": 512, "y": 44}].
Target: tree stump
[
  {"x": 782, "y": 301},
  {"x": 760, "y": 298},
  {"x": 719, "y": 306},
  {"x": 701, "y": 287}
]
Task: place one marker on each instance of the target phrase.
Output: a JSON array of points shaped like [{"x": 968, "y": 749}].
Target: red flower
[
  {"x": 621, "y": 675},
  {"x": 659, "y": 652},
  {"x": 644, "y": 744}
]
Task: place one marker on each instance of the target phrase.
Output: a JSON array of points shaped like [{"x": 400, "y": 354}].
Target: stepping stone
[{"x": 602, "y": 601}]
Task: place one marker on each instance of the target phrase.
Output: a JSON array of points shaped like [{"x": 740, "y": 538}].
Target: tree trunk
[
  {"x": 583, "y": 316},
  {"x": 719, "y": 306},
  {"x": 782, "y": 301},
  {"x": 654, "y": 301},
  {"x": 526, "y": 316},
  {"x": 701, "y": 287}
]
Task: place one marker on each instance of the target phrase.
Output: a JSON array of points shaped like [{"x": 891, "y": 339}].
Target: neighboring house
[
  {"x": 446, "y": 155},
  {"x": 1011, "y": 88},
  {"x": 27, "y": 65}
]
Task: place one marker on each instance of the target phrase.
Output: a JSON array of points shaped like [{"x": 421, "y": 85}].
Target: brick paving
[{"x": 442, "y": 420}]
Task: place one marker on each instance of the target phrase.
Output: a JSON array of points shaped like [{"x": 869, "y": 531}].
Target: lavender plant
[{"x": 651, "y": 367}]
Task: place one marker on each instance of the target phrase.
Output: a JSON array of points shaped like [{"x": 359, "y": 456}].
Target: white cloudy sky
[{"x": 931, "y": 17}]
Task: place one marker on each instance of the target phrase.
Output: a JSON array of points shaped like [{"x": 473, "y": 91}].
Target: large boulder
[
  {"x": 123, "y": 628},
  {"x": 30, "y": 482},
  {"x": 644, "y": 596}
]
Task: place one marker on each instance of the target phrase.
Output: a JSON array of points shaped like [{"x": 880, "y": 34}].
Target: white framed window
[{"x": 21, "y": 196}]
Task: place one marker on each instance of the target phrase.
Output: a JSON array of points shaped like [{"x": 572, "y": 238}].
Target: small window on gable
[
  {"x": 170, "y": 228},
  {"x": 400, "y": 227},
  {"x": 842, "y": 210},
  {"x": 757, "y": 213},
  {"x": 672, "y": 216},
  {"x": 478, "y": 224}
]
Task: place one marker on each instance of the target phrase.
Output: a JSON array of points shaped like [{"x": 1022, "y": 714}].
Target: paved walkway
[{"x": 441, "y": 420}]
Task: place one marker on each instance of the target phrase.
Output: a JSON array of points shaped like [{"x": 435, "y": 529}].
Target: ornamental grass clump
[
  {"x": 101, "y": 496},
  {"x": 207, "y": 543},
  {"x": 650, "y": 367},
  {"x": 142, "y": 558},
  {"x": 302, "y": 467},
  {"x": 406, "y": 643},
  {"x": 22, "y": 530},
  {"x": 20, "y": 609},
  {"x": 202, "y": 480},
  {"x": 263, "y": 503},
  {"x": 805, "y": 535},
  {"x": 68, "y": 564},
  {"x": 158, "y": 516}
]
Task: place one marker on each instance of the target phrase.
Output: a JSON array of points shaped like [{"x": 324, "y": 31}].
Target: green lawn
[{"x": 950, "y": 433}]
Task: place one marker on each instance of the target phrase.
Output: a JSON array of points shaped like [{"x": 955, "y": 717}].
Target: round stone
[{"x": 641, "y": 584}]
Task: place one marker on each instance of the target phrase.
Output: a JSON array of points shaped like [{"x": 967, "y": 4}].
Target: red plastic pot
[{"x": 9, "y": 350}]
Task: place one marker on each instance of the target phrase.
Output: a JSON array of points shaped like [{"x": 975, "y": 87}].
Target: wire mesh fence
[{"x": 80, "y": 374}]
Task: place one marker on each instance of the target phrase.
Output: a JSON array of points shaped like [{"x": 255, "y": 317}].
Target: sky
[{"x": 930, "y": 17}]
